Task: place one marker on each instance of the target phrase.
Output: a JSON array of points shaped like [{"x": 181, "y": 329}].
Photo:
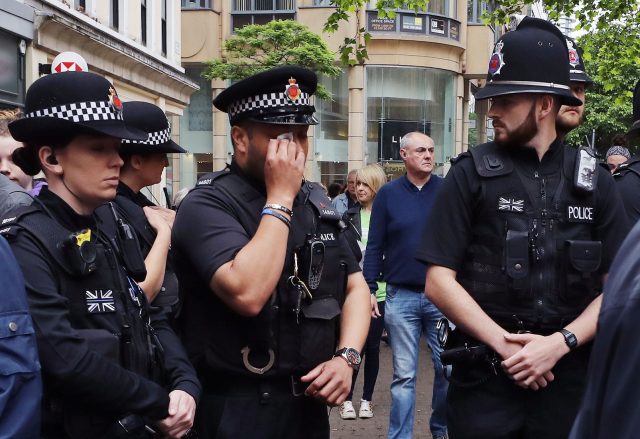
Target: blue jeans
[{"x": 408, "y": 315}]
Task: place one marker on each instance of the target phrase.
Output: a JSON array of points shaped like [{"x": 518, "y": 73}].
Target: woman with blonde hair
[{"x": 369, "y": 180}]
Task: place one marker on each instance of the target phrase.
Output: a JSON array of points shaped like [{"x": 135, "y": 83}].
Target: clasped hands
[{"x": 529, "y": 358}]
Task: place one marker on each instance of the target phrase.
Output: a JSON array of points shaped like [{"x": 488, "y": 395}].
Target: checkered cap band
[
  {"x": 155, "y": 138},
  {"x": 79, "y": 112},
  {"x": 265, "y": 101}
]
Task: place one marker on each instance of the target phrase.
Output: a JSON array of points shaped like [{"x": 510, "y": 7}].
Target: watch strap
[{"x": 569, "y": 338}]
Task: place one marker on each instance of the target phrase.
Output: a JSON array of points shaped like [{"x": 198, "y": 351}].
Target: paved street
[{"x": 376, "y": 427}]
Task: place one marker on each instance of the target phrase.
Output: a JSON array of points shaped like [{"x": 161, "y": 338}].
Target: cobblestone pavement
[{"x": 376, "y": 427}]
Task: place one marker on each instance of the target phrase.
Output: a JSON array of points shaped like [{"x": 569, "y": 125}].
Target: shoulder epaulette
[{"x": 490, "y": 161}]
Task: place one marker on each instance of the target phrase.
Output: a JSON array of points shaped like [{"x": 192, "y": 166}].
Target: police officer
[
  {"x": 110, "y": 368},
  {"x": 276, "y": 309},
  {"x": 572, "y": 116},
  {"x": 144, "y": 162},
  {"x": 627, "y": 175},
  {"x": 520, "y": 238}
]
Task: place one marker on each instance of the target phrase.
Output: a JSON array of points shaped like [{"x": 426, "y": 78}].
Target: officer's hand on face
[
  {"x": 182, "y": 410},
  {"x": 156, "y": 220},
  {"x": 330, "y": 381},
  {"x": 536, "y": 359},
  {"x": 167, "y": 214},
  {"x": 283, "y": 169}
]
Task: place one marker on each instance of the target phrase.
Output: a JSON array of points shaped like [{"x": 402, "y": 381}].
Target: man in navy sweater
[{"x": 398, "y": 216}]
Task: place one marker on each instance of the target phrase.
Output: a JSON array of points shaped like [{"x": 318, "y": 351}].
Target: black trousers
[
  {"x": 499, "y": 409},
  {"x": 245, "y": 412}
]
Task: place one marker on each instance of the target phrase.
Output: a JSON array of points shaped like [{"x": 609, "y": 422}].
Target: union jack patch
[
  {"x": 510, "y": 205},
  {"x": 100, "y": 301}
]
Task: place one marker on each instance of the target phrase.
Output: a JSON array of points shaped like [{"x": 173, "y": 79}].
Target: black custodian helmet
[
  {"x": 531, "y": 59},
  {"x": 577, "y": 72}
]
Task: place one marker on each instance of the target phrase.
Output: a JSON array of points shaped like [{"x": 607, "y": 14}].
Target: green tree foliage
[
  {"x": 592, "y": 16},
  {"x": 615, "y": 73},
  {"x": 255, "y": 48}
]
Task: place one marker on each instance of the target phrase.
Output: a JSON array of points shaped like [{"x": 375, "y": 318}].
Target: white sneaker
[
  {"x": 365, "y": 411},
  {"x": 347, "y": 411}
]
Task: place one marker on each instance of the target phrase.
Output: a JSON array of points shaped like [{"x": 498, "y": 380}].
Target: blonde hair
[
  {"x": 373, "y": 176},
  {"x": 6, "y": 117}
]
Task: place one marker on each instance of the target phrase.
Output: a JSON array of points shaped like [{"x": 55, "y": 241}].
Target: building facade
[
  {"x": 419, "y": 76},
  {"x": 133, "y": 43}
]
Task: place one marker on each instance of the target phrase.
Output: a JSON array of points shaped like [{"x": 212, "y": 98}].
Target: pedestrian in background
[
  {"x": 398, "y": 216},
  {"x": 348, "y": 198},
  {"x": 369, "y": 180}
]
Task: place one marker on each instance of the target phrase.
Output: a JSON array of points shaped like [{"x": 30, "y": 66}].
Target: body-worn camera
[
  {"x": 315, "y": 264},
  {"x": 80, "y": 250}
]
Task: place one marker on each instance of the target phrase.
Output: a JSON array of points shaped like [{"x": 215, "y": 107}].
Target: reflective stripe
[{"x": 532, "y": 83}]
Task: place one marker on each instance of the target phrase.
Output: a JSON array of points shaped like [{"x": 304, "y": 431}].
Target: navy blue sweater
[{"x": 398, "y": 218}]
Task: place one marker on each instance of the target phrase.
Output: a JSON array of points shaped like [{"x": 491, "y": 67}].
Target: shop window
[
  {"x": 400, "y": 100},
  {"x": 143, "y": 22}
]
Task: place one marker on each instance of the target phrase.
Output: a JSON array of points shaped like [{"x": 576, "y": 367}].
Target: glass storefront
[
  {"x": 330, "y": 151},
  {"x": 196, "y": 131},
  {"x": 404, "y": 99}
]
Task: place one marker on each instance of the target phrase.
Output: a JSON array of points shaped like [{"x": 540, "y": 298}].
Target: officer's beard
[
  {"x": 522, "y": 135},
  {"x": 563, "y": 128}
]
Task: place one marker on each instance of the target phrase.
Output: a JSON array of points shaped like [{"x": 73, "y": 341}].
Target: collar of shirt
[
  {"x": 137, "y": 198},
  {"x": 63, "y": 213},
  {"x": 527, "y": 160}
]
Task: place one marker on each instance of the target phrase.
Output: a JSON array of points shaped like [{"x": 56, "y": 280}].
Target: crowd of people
[{"x": 249, "y": 311}]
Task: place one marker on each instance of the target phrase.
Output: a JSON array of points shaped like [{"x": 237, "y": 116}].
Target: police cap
[
  {"x": 71, "y": 102},
  {"x": 152, "y": 120},
  {"x": 577, "y": 72},
  {"x": 281, "y": 95},
  {"x": 531, "y": 59}
]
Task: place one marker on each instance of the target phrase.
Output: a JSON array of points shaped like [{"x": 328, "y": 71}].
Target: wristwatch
[
  {"x": 569, "y": 338},
  {"x": 351, "y": 356}
]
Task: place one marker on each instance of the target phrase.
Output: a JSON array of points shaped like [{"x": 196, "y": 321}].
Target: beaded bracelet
[
  {"x": 278, "y": 215},
  {"x": 279, "y": 207}
]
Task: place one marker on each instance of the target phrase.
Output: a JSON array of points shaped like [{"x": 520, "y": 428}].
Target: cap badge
[
  {"x": 114, "y": 100},
  {"x": 293, "y": 90},
  {"x": 496, "y": 62},
  {"x": 574, "y": 58}
]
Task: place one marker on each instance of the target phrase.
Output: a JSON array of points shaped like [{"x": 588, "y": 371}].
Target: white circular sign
[{"x": 68, "y": 62}]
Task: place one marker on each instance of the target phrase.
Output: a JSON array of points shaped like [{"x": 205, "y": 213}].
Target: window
[
  {"x": 115, "y": 15},
  {"x": 143, "y": 21},
  {"x": 164, "y": 27},
  {"x": 80, "y": 5},
  {"x": 402, "y": 99},
  {"x": 261, "y": 11},
  {"x": 475, "y": 8},
  {"x": 196, "y": 4}
]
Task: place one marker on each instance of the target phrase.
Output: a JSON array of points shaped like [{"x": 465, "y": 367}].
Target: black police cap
[
  {"x": 152, "y": 120},
  {"x": 577, "y": 72},
  {"x": 531, "y": 59},
  {"x": 281, "y": 95},
  {"x": 634, "y": 131},
  {"x": 61, "y": 104}
]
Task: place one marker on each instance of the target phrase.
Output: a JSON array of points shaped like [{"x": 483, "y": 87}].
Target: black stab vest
[
  {"x": 533, "y": 262},
  {"x": 299, "y": 342},
  {"x": 100, "y": 306}
]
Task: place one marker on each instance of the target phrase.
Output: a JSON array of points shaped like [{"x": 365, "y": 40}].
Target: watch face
[{"x": 353, "y": 356}]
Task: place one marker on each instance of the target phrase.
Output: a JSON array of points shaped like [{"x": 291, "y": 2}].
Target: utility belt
[{"x": 262, "y": 387}]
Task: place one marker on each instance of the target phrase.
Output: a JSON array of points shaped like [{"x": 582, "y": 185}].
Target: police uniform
[
  {"x": 529, "y": 240},
  {"x": 129, "y": 204},
  {"x": 250, "y": 366},
  {"x": 107, "y": 362}
]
